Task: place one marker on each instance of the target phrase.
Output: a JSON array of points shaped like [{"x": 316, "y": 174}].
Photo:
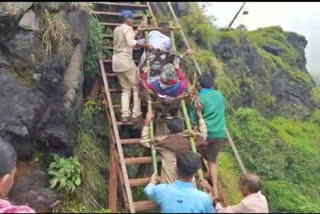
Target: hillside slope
[{"x": 273, "y": 107}]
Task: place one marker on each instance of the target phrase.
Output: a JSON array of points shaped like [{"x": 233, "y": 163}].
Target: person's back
[
  {"x": 253, "y": 202},
  {"x": 159, "y": 40},
  {"x": 213, "y": 111},
  {"x": 213, "y": 103},
  {"x": 179, "y": 197},
  {"x": 122, "y": 48}
]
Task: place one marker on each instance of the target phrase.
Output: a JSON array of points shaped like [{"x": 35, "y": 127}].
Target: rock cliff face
[
  {"x": 268, "y": 66},
  {"x": 40, "y": 96},
  {"x": 263, "y": 69},
  {"x": 42, "y": 46}
]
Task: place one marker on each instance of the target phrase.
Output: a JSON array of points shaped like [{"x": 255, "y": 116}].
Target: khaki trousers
[{"x": 128, "y": 82}]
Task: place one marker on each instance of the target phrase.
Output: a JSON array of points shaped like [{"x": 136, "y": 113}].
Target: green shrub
[
  {"x": 315, "y": 95},
  {"x": 284, "y": 196},
  {"x": 94, "y": 48},
  {"x": 260, "y": 150},
  {"x": 315, "y": 117},
  {"x": 65, "y": 174},
  {"x": 91, "y": 149},
  {"x": 284, "y": 153},
  {"x": 302, "y": 135},
  {"x": 229, "y": 173}
]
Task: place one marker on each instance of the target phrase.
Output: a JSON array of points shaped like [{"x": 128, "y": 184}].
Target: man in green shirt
[{"x": 213, "y": 111}]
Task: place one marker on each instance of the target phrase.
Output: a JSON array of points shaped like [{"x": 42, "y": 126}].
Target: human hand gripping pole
[
  {"x": 151, "y": 135},
  {"x": 184, "y": 108}
]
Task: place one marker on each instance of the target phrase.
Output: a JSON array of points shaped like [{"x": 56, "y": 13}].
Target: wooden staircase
[{"x": 118, "y": 175}]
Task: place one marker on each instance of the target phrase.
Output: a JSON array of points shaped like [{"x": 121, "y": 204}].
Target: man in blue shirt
[{"x": 181, "y": 196}]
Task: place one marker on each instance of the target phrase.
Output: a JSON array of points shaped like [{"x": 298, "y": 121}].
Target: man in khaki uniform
[{"x": 122, "y": 62}]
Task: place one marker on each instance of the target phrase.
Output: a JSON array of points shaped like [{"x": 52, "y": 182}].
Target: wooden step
[
  {"x": 117, "y": 14},
  {"x": 130, "y": 141},
  {"x": 144, "y": 205},
  {"x": 119, "y": 105},
  {"x": 107, "y": 36},
  {"x": 111, "y": 48},
  {"x": 138, "y": 160},
  {"x": 135, "y": 26},
  {"x": 106, "y": 61},
  {"x": 120, "y": 123},
  {"x": 114, "y": 24},
  {"x": 114, "y": 90},
  {"x": 123, "y": 4},
  {"x": 136, "y": 182},
  {"x": 111, "y": 74}
]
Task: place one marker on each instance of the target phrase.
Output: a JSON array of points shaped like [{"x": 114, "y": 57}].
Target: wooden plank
[
  {"x": 113, "y": 179},
  {"x": 135, "y": 182},
  {"x": 123, "y": 4},
  {"x": 112, "y": 74},
  {"x": 123, "y": 168},
  {"x": 117, "y": 14},
  {"x": 115, "y": 90},
  {"x": 120, "y": 123},
  {"x": 123, "y": 189},
  {"x": 130, "y": 141},
  {"x": 117, "y": 106},
  {"x": 107, "y": 36},
  {"x": 144, "y": 205},
  {"x": 114, "y": 24},
  {"x": 138, "y": 160},
  {"x": 107, "y": 61},
  {"x": 111, "y": 48},
  {"x": 113, "y": 172}
]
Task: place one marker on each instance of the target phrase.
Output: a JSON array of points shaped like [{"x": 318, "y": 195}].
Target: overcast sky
[{"x": 300, "y": 17}]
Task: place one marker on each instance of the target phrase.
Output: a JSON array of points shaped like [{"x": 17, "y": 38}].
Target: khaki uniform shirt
[{"x": 123, "y": 43}]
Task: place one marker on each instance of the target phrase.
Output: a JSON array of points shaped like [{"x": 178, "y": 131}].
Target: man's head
[
  {"x": 250, "y": 183},
  {"x": 164, "y": 28},
  {"x": 175, "y": 125},
  {"x": 8, "y": 160},
  {"x": 206, "y": 80},
  {"x": 128, "y": 17},
  {"x": 188, "y": 164}
]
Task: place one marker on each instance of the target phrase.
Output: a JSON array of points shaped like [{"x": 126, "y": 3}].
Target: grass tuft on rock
[{"x": 55, "y": 34}]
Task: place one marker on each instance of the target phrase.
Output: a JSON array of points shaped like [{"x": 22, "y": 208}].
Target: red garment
[
  {"x": 180, "y": 75},
  {"x": 7, "y": 207}
]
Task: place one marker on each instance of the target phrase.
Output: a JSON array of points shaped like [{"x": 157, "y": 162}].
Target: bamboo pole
[
  {"x": 184, "y": 37},
  {"x": 191, "y": 139},
  {"x": 234, "y": 148},
  {"x": 152, "y": 15},
  {"x": 236, "y": 154},
  {"x": 184, "y": 108},
  {"x": 151, "y": 135}
]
